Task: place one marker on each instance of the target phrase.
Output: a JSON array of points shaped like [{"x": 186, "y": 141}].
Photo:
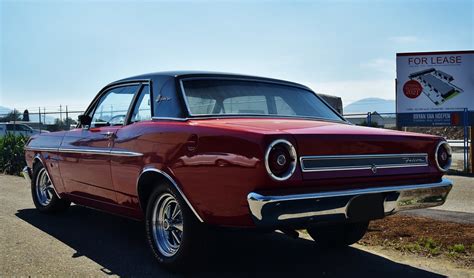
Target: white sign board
[{"x": 435, "y": 82}]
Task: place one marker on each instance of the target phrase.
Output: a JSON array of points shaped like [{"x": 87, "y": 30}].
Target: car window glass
[
  {"x": 113, "y": 107},
  {"x": 23, "y": 128},
  {"x": 246, "y": 105},
  {"x": 283, "y": 108},
  {"x": 249, "y": 97},
  {"x": 142, "y": 110},
  {"x": 201, "y": 105}
]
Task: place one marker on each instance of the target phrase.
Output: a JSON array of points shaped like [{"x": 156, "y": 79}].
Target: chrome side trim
[
  {"x": 41, "y": 149},
  {"x": 170, "y": 119},
  {"x": 362, "y": 167},
  {"x": 87, "y": 151},
  {"x": 151, "y": 169},
  {"x": 407, "y": 197},
  {"x": 38, "y": 157}
]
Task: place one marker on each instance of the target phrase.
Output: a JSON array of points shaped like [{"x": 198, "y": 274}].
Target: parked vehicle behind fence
[
  {"x": 18, "y": 129},
  {"x": 185, "y": 151}
]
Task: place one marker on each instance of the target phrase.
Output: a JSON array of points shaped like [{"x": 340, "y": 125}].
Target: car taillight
[
  {"x": 443, "y": 156},
  {"x": 280, "y": 160}
]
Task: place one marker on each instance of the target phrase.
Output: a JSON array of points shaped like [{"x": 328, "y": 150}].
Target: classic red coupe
[{"x": 185, "y": 151}]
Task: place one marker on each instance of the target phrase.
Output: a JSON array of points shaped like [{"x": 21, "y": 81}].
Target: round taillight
[
  {"x": 443, "y": 156},
  {"x": 280, "y": 160}
]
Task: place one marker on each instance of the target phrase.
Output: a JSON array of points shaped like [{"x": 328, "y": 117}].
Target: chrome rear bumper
[{"x": 268, "y": 210}]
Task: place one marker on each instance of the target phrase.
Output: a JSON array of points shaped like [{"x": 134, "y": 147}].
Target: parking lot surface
[{"x": 85, "y": 242}]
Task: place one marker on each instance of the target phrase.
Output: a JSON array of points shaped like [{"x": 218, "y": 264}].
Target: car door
[
  {"x": 86, "y": 151},
  {"x": 126, "y": 168}
]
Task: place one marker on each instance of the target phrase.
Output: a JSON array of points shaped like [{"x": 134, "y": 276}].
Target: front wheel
[
  {"x": 338, "y": 235},
  {"x": 173, "y": 232},
  {"x": 42, "y": 191}
]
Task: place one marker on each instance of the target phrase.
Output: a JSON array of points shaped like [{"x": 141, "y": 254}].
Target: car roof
[{"x": 195, "y": 73}]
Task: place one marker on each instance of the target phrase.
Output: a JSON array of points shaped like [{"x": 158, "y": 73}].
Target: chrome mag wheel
[
  {"x": 167, "y": 224},
  {"x": 44, "y": 188}
]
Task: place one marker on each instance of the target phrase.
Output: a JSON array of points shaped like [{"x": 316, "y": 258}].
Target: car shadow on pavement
[{"x": 119, "y": 246}]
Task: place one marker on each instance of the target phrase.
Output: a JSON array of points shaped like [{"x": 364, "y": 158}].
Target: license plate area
[{"x": 366, "y": 207}]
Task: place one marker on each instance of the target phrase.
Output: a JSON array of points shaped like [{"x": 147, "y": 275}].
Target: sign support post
[
  {"x": 466, "y": 141},
  {"x": 472, "y": 149}
]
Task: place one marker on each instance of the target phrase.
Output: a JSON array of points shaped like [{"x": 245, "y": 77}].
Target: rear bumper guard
[{"x": 268, "y": 210}]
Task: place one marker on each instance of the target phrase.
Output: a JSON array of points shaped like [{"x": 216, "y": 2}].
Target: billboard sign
[{"x": 435, "y": 88}]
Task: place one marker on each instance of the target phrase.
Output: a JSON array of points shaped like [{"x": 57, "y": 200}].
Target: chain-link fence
[{"x": 32, "y": 121}]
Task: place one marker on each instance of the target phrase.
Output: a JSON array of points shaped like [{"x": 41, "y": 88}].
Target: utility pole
[{"x": 39, "y": 117}]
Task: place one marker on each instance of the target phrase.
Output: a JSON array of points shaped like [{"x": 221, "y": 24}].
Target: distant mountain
[
  {"x": 4, "y": 110},
  {"x": 370, "y": 105}
]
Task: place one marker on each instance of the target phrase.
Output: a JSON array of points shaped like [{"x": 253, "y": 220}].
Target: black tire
[
  {"x": 53, "y": 204},
  {"x": 338, "y": 235},
  {"x": 192, "y": 237}
]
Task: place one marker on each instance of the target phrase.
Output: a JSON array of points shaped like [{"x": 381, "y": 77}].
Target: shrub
[
  {"x": 457, "y": 248},
  {"x": 12, "y": 154}
]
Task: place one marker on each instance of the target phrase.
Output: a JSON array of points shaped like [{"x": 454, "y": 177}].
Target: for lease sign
[{"x": 434, "y": 87}]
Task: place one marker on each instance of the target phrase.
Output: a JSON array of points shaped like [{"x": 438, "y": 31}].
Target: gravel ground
[{"x": 85, "y": 242}]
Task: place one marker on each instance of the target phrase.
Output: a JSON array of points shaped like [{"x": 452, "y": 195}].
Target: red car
[{"x": 185, "y": 151}]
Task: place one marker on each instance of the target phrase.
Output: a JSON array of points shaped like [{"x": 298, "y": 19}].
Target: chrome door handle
[{"x": 110, "y": 135}]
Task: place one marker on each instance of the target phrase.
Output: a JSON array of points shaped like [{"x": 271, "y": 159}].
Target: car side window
[
  {"x": 113, "y": 107},
  {"x": 23, "y": 127},
  {"x": 142, "y": 109}
]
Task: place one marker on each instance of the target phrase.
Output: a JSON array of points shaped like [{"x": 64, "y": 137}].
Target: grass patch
[
  {"x": 457, "y": 248},
  {"x": 423, "y": 236}
]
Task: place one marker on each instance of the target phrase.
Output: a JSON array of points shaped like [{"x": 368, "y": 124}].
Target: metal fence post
[
  {"x": 465, "y": 145},
  {"x": 67, "y": 119}
]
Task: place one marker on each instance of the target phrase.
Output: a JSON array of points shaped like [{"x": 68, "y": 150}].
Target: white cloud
[
  {"x": 405, "y": 39},
  {"x": 353, "y": 90},
  {"x": 382, "y": 65}
]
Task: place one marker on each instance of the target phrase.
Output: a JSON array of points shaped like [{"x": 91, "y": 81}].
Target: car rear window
[{"x": 207, "y": 96}]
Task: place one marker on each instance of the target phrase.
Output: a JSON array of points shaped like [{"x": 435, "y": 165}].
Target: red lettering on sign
[{"x": 412, "y": 89}]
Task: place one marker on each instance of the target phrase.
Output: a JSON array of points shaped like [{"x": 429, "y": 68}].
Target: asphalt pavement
[
  {"x": 86, "y": 242},
  {"x": 459, "y": 207}
]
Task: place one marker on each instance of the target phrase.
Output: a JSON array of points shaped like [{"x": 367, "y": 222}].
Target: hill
[{"x": 370, "y": 105}]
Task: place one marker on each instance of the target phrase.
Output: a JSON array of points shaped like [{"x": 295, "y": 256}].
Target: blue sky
[{"x": 64, "y": 52}]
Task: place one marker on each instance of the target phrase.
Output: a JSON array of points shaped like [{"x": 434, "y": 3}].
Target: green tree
[
  {"x": 12, "y": 116},
  {"x": 26, "y": 115},
  {"x": 61, "y": 125}
]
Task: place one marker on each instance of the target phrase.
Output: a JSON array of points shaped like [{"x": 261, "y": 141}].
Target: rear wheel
[
  {"x": 338, "y": 235},
  {"x": 173, "y": 232},
  {"x": 42, "y": 191}
]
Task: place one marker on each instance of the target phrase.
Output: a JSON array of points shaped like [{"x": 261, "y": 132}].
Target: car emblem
[
  {"x": 281, "y": 160},
  {"x": 373, "y": 168}
]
